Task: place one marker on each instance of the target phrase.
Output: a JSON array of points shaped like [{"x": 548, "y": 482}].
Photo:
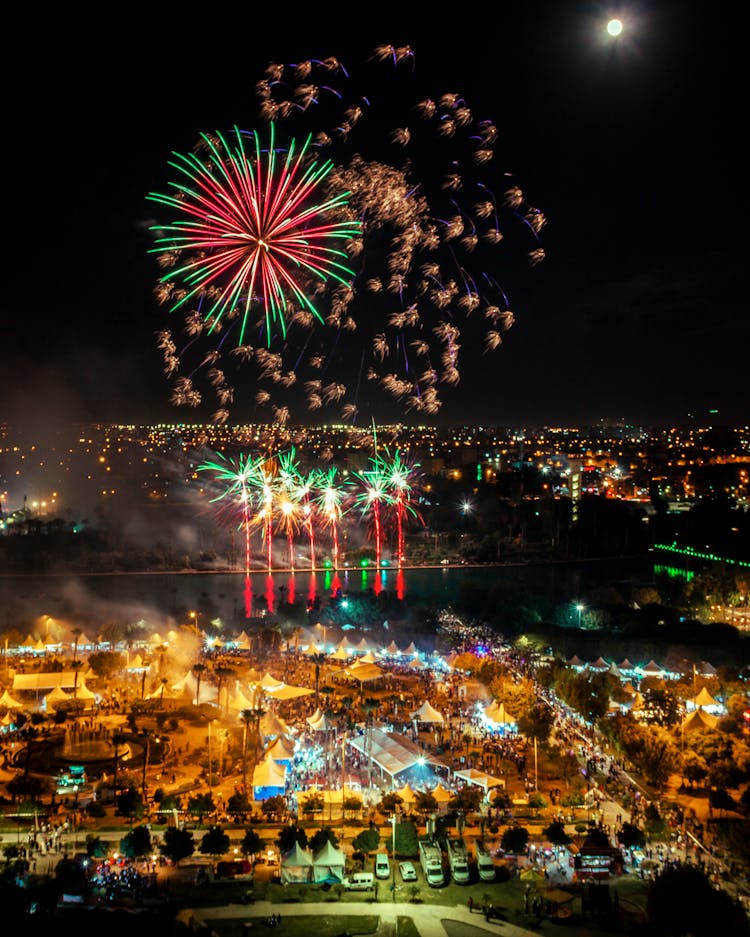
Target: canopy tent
[
  {"x": 479, "y": 779},
  {"x": 652, "y": 669},
  {"x": 135, "y": 664},
  {"x": 37, "y": 682},
  {"x": 575, "y": 661},
  {"x": 703, "y": 699},
  {"x": 296, "y": 866},
  {"x": 319, "y": 723},
  {"x": 705, "y": 669},
  {"x": 411, "y": 650},
  {"x": 362, "y": 646},
  {"x": 285, "y": 692},
  {"x": 339, "y": 654},
  {"x": 56, "y": 696},
  {"x": 427, "y": 713},
  {"x": 269, "y": 779},
  {"x": 497, "y": 713},
  {"x": 282, "y": 750},
  {"x": 599, "y": 664},
  {"x": 329, "y": 864},
  {"x": 272, "y": 726},
  {"x": 441, "y": 794},
  {"x": 391, "y": 752},
  {"x": 392, "y": 649},
  {"x": 268, "y": 681},
  {"x": 406, "y": 794},
  {"x": 698, "y": 720},
  {"x": 242, "y": 641},
  {"x": 312, "y": 649},
  {"x": 82, "y": 692},
  {"x": 364, "y": 673},
  {"x": 8, "y": 702},
  {"x": 369, "y": 658}
]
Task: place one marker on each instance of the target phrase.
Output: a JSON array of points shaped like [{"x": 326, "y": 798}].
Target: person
[{"x": 470, "y": 903}]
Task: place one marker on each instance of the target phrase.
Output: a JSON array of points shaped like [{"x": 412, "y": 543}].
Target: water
[{"x": 160, "y": 598}]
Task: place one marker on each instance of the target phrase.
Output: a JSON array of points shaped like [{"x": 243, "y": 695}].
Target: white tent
[
  {"x": 58, "y": 695},
  {"x": 479, "y": 779},
  {"x": 427, "y": 713},
  {"x": 296, "y": 866},
  {"x": 272, "y": 726},
  {"x": 269, "y": 778},
  {"x": 268, "y": 681},
  {"x": 329, "y": 864},
  {"x": 282, "y": 750},
  {"x": 284, "y": 691},
  {"x": 339, "y": 654},
  {"x": 497, "y": 713},
  {"x": 392, "y": 649},
  {"x": 7, "y": 700},
  {"x": 319, "y": 723}
]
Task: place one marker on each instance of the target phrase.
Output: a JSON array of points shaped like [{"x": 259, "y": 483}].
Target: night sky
[{"x": 630, "y": 147}]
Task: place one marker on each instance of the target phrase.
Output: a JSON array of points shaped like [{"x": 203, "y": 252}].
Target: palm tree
[
  {"x": 164, "y": 682},
  {"x": 77, "y": 633},
  {"x": 198, "y": 671},
  {"x": 250, "y": 717},
  {"x": 223, "y": 674}
]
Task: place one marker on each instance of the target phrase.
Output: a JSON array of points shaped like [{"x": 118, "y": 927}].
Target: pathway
[{"x": 430, "y": 920}]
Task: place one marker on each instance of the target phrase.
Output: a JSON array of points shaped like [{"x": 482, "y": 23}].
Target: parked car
[
  {"x": 408, "y": 872},
  {"x": 382, "y": 866}
]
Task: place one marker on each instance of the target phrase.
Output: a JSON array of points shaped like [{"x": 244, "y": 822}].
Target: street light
[
  {"x": 579, "y": 609},
  {"x": 394, "y": 818}
]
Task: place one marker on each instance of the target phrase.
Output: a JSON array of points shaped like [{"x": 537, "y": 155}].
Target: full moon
[{"x": 614, "y": 27}]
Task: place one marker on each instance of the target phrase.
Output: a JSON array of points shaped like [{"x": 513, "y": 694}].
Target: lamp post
[
  {"x": 394, "y": 818},
  {"x": 579, "y": 609}
]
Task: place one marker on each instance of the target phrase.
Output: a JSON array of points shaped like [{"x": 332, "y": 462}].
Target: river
[{"x": 158, "y": 597}]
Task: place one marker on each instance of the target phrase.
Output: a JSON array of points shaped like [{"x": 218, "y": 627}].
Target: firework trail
[
  {"x": 330, "y": 504},
  {"x": 374, "y": 493},
  {"x": 400, "y": 481},
  {"x": 353, "y": 264}
]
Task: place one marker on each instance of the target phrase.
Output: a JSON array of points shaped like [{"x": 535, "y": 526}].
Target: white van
[
  {"x": 360, "y": 881},
  {"x": 382, "y": 866}
]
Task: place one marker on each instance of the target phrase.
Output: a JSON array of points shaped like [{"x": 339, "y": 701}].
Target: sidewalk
[{"x": 428, "y": 919}]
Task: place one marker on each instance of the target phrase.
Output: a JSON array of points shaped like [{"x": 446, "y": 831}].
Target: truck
[
  {"x": 431, "y": 860},
  {"x": 485, "y": 862},
  {"x": 458, "y": 856}
]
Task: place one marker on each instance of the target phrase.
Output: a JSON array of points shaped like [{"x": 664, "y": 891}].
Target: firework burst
[{"x": 353, "y": 266}]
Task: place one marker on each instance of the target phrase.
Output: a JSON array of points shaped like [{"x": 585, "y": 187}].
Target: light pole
[
  {"x": 579, "y": 609},
  {"x": 394, "y": 818}
]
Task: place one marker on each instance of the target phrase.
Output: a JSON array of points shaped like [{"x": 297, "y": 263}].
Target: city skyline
[{"x": 626, "y": 146}]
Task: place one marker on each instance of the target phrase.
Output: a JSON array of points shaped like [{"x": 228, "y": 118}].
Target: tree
[
  {"x": 682, "y": 901},
  {"x": 366, "y": 841},
  {"x": 466, "y": 799},
  {"x": 351, "y": 804},
  {"x": 130, "y": 804},
  {"x": 322, "y": 836},
  {"x": 631, "y": 836},
  {"x": 178, "y": 844},
  {"x": 425, "y": 803},
  {"x": 313, "y": 803},
  {"x": 273, "y": 805},
  {"x": 136, "y": 843},
  {"x": 215, "y": 842},
  {"x": 556, "y": 834},
  {"x": 407, "y": 839},
  {"x": 251, "y": 843},
  {"x": 201, "y": 804},
  {"x": 198, "y": 671},
  {"x": 289, "y": 835},
  {"x": 536, "y": 722},
  {"x": 238, "y": 804},
  {"x": 515, "y": 840}
]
